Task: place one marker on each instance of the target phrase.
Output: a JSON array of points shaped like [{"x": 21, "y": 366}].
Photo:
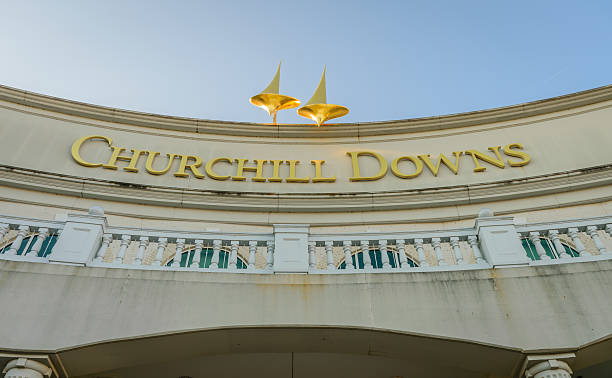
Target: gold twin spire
[
  {"x": 271, "y": 101},
  {"x": 316, "y": 109}
]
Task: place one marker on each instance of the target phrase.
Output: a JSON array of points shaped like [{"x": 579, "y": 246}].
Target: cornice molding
[
  {"x": 508, "y": 113},
  {"x": 311, "y": 202}
]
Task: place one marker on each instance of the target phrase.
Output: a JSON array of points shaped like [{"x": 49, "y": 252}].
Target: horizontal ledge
[
  {"x": 248, "y": 129},
  {"x": 307, "y": 202}
]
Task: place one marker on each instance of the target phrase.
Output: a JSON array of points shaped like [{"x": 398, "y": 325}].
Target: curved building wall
[{"x": 182, "y": 266}]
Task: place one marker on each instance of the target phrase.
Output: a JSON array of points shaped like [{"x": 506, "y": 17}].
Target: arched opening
[
  {"x": 376, "y": 258},
  {"x": 206, "y": 256},
  {"x": 548, "y": 246}
]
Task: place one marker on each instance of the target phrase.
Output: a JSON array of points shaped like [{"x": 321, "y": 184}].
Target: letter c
[{"x": 76, "y": 147}]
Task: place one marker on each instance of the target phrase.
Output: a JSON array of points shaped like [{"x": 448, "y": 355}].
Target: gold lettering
[
  {"x": 356, "y": 172},
  {"x": 241, "y": 169},
  {"x": 480, "y": 155},
  {"x": 193, "y": 167},
  {"x": 151, "y": 158},
  {"x": 523, "y": 155},
  {"x": 318, "y": 177},
  {"x": 442, "y": 159},
  {"x": 211, "y": 173},
  {"x": 112, "y": 162},
  {"x": 76, "y": 147},
  {"x": 292, "y": 178},
  {"x": 417, "y": 163},
  {"x": 275, "y": 170}
]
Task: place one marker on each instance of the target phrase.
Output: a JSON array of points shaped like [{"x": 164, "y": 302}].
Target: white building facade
[{"x": 469, "y": 245}]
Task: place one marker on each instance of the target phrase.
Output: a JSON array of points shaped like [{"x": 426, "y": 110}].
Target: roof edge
[{"x": 250, "y": 129}]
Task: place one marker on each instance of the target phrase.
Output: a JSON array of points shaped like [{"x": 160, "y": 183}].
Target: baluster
[
  {"x": 197, "y": 252},
  {"x": 454, "y": 242},
  {"x": 270, "y": 255},
  {"x": 4, "y": 228},
  {"x": 535, "y": 239},
  {"x": 142, "y": 247},
  {"x": 418, "y": 245},
  {"x": 592, "y": 231},
  {"x": 573, "y": 233},
  {"x": 312, "y": 257},
  {"x": 125, "y": 242},
  {"x": 384, "y": 256},
  {"x": 473, "y": 242},
  {"x": 329, "y": 253},
  {"x": 21, "y": 234},
  {"x": 162, "y": 243},
  {"x": 365, "y": 250},
  {"x": 106, "y": 240},
  {"x": 435, "y": 242},
  {"x": 348, "y": 257},
  {"x": 252, "y": 252},
  {"x": 233, "y": 264},
  {"x": 401, "y": 250},
  {"x": 43, "y": 233},
  {"x": 214, "y": 264},
  {"x": 178, "y": 253},
  {"x": 554, "y": 236}
]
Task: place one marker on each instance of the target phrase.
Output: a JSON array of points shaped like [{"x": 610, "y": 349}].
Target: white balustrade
[
  {"x": 592, "y": 232},
  {"x": 559, "y": 248},
  {"x": 162, "y": 243},
  {"x": 418, "y": 245},
  {"x": 125, "y": 243},
  {"x": 214, "y": 264},
  {"x": 454, "y": 242},
  {"x": 401, "y": 250},
  {"x": 178, "y": 253},
  {"x": 376, "y": 252},
  {"x": 348, "y": 257},
  {"x": 367, "y": 259},
  {"x": 573, "y": 233},
  {"x": 43, "y": 233},
  {"x": 252, "y": 254},
  {"x": 106, "y": 240},
  {"x": 435, "y": 242},
  {"x": 142, "y": 247},
  {"x": 386, "y": 259},
  {"x": 22, "y": 231},
  {"x": 233, "y": 264},
  {"x": 197, "y": 252},
  {"x": 270, "y": 255},
  {"x": 312, "y": 257},
  {"x": 535, "y": 239},
  {"x": 329, "y": 252}
]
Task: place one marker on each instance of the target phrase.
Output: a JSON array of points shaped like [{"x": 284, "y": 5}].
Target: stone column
[
  {"x": 26, "y": 368},
  {"x": 549, "y": 369}
]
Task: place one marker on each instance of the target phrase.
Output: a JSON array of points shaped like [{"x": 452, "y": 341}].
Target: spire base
[{"x": 322, "y": 112}]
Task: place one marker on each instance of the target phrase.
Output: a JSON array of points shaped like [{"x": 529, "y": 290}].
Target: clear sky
[{"x": 385, "y": 59}]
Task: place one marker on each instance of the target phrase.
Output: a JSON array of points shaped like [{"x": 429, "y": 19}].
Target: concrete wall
[{"x": 50, "y": 307}]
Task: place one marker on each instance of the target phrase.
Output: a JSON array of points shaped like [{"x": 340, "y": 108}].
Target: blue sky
[{"x": 385, "y": 59}]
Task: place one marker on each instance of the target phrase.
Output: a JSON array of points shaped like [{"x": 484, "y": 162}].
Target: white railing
[
  {"x": 370, "y": 252},
  {"x": 28, "y": 239},
  {"x": 151, "y": 249},
  {"x": 566, "y": 239},
  {"x": 390, "y": 252}
]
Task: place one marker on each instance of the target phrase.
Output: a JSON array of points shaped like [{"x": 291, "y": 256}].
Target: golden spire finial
[
  {"x": 271, "y": 101},
  {"x": 317, "y": 107}
]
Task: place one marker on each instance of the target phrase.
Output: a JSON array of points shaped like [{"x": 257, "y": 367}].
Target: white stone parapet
[{"x": 493, "y": 242}]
